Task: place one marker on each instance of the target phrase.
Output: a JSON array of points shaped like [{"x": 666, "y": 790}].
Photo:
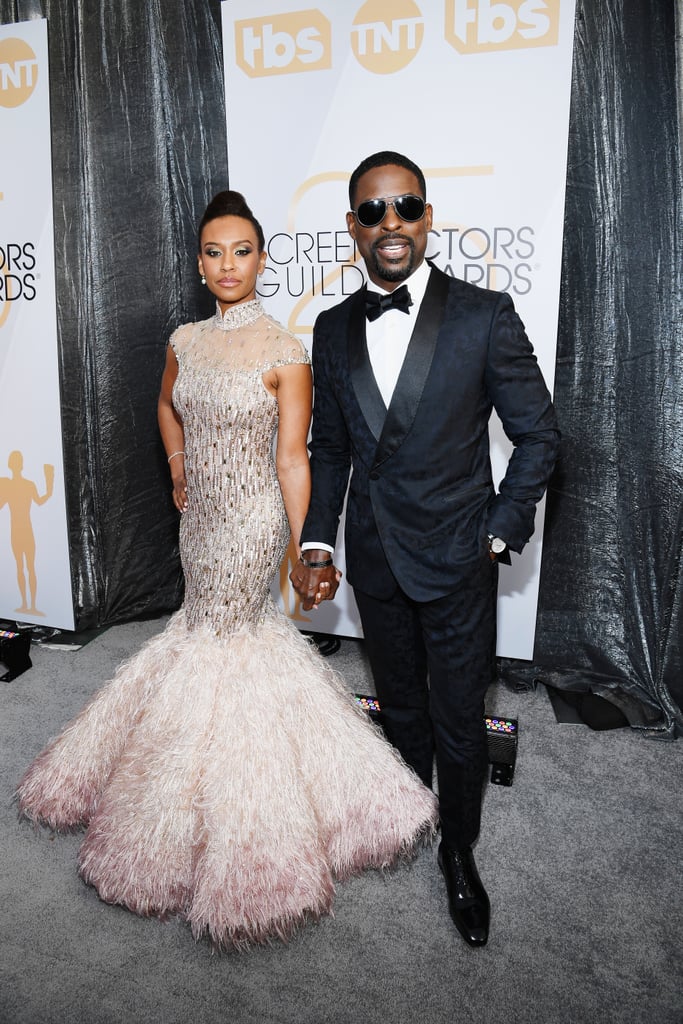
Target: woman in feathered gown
[{"x": 225, "y": 774}]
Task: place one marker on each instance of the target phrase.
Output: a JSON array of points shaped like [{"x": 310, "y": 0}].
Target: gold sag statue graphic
[{"x": 20, "y": 493}]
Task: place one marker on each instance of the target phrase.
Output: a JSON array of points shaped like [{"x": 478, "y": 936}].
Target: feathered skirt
[{"x": 228, "y": 781}]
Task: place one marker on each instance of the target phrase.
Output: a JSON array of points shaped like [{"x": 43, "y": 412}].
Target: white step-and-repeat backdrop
[
  {"x": 474, "y": 91},
  {"x": 35, "y": 581}
]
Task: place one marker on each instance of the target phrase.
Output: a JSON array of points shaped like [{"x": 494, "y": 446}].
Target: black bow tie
[{"x": 376, "y": 304}]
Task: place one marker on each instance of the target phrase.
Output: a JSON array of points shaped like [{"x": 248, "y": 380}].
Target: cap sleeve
[
  {"x": 180, "y": 337},
  {"x": 285, "y": 349},
  {"x": 293, "y": 351}
]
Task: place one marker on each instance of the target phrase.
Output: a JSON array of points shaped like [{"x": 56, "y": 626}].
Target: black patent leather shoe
[{"x": 467, "y": 899}]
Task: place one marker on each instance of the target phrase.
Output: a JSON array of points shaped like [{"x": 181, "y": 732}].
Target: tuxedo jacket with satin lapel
[{"x": 421, "y": 499}]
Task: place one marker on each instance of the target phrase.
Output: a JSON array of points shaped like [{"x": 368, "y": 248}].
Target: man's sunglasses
[{"x": 373, "y": 211}]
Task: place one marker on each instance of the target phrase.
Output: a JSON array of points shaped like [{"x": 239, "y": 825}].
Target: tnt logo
[
  {"x": 385, "y": 42},
  {"x": 18, "y": 72},
  {"x": 479, "y": 26},
  {"x": 283, "y": 44}
]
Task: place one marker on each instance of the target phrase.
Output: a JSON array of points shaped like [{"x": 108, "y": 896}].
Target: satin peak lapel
[
  {"x": 363, "y": 380},
  {"x": 416, "y": 365}
]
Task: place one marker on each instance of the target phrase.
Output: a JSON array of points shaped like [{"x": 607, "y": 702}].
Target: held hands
[{"x": 315, "y": 585}]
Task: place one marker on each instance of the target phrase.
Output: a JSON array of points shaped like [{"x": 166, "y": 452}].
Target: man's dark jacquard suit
[{"x": 421, "y": 499}]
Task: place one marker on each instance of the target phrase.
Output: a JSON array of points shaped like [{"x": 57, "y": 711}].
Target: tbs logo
[
  {"x": 478, "y": 26},
  {"x": 281, "y": 44}
]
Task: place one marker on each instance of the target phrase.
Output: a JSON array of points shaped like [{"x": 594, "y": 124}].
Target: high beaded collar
[{"x": 238, "y": 316}]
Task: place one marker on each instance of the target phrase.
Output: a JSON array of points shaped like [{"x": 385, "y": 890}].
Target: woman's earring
[{"x": 203, "y": 279}]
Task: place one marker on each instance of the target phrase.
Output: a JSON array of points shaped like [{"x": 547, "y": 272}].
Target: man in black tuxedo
[{"x": 405, "y": 381}]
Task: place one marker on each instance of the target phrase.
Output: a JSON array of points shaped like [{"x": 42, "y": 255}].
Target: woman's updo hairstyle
[{"x": 230, "y": 204}]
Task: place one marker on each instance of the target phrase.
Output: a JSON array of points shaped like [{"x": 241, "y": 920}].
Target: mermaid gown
[{"x": 225, "y": 774}]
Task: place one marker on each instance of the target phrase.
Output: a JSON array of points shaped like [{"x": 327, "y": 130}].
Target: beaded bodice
[{"x": 235, "y": 532}]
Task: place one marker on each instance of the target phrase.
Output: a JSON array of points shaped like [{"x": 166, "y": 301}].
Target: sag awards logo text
[
  {"x": 17, "y": 263},
  {"x": 305, "y": 264},
  {"x": 496, "y": 256},
  {"x": 17, "y": 275},
  {"x": 18, "y": 72}
]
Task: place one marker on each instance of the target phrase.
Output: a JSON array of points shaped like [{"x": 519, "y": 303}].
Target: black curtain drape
[
  {"x": 139, "y": 147},
  {"x": 138, "y": 137},
  {"x": 610, "y": 606}
]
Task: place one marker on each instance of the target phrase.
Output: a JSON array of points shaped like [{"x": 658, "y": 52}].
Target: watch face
[{"x": 497, "y": 545}]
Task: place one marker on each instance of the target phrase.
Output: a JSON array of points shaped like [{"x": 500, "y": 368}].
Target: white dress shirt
[
  {"x": 388, "y": 338},
  {"x": 389, "y": 335}
]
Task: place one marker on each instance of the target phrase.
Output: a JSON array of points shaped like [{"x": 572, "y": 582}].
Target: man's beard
[{"x": 391, "y": 274}]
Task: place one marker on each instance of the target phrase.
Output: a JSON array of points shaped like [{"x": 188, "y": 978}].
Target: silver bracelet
[{"x": 174, "y": 455}]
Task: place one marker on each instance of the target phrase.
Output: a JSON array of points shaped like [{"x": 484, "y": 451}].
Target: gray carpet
[{"x": 582, "y": 858}]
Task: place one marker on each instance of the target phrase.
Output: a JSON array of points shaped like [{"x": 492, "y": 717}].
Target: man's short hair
[{"x": 382, "y": 160}]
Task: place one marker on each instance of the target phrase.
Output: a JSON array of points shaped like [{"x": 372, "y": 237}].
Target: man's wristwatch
[{"x": 496, "y": 545}]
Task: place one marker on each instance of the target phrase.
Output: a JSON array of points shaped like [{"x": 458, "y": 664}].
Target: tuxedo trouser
[{"x": 432, "y": 663}]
